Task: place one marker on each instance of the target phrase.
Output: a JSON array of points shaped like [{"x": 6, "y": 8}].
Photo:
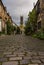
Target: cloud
[{"x": 16, "y": 8}]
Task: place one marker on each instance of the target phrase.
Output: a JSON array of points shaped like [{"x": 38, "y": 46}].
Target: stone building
[
  {"x": 40, "y": 14},
  {"x": 4, "y": 16},
  {"x": 21, "y": 20},
  {"x": 21, "y": 24}
]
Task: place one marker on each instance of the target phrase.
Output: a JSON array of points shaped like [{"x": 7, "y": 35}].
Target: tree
[
  {"x": 10, "y": 28},
  {"x": 18, "y": 30},
  {"x": 27, "y": 28},
  {"x": 31, "y": 22},
  {"x": 33, "y": 19}
]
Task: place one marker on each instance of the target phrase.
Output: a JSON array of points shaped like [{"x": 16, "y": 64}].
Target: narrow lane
[
  {"x": 26, "y": 42},
  {"x": 21, "y": 50}
]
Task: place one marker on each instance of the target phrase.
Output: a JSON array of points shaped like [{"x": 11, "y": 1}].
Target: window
[{"x": 39, "y": 25}]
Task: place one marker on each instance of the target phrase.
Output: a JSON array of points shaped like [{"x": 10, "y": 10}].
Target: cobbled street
[{"x": 21, "y": 50}]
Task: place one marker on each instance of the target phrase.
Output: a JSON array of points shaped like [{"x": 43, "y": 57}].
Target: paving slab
[
  {"x": 6, "y": 53},
  {"x": 33, "y": 64},
  {"x": 35, "y": 61},
  {"x": 10, "y": 63},
  {"x": 41, "y": 53},
  {"x": 7, "y": 47},
  {"x": 32, "y": 53},
  {"x": 10, "y": 56},
  {"x": 42, "y": 64},
  {"x": 19, "y": 53},
  {"x": 22, "y": 62},
  {"x": 42, "y": 60},
  {"x": 23, "y": 45},
  {"x": 41, "y": 57},
  {"x": 2, "y": 50},
  {"x": 29, "y": 53},
  {"x": 13, "y": 49},
  {"x": 1, "y": 54},
  {"x": 15, "y": 58},
  {"x": 11, "y": 46},
  {"x": 35, "y": 57},
  {"x": 27, "y": 57},
  {"x": 3, "y": 59}
]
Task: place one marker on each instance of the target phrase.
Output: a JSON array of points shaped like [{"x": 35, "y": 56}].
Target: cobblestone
[
  {"x": 33, "y": 64},
  {"x": 10, "y": 63},
  {"x": 42, "y": 60},
  {"x": 22, "y": 62},
  {"x": 15, "y": 58},
  {"x": 10, "y": 56},
  {"x": 21, "y": 50},
  {"x": 3, "y": 59},
  {"x": 35, "y": 61}
]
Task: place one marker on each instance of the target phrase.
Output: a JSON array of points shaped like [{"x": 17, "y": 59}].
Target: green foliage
[
  {"x": 0, "y": 33},
  {"x": 14, "y": 28},
  {"x": 34, "y": 35},
  {"x": 3, "y": 30},
  {"x": 33, "y": 19},
  {"x": 18, "y": 30},
  {"x": 10, "y": 28},
  {"x": 27, "y": 28},
  {"x": 39, "y": 35},
  {"x": 31, "y": 23}
]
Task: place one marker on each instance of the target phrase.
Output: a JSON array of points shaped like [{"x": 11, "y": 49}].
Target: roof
[{"x": 2, "y": 5}]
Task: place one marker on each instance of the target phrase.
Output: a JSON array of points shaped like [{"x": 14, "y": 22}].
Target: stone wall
[
  {"x": 4, "y": 15},
  {"x": 41, "y": 13}
]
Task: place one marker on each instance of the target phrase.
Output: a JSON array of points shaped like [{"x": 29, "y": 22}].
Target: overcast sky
[{"x": 16, "y": 8}]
